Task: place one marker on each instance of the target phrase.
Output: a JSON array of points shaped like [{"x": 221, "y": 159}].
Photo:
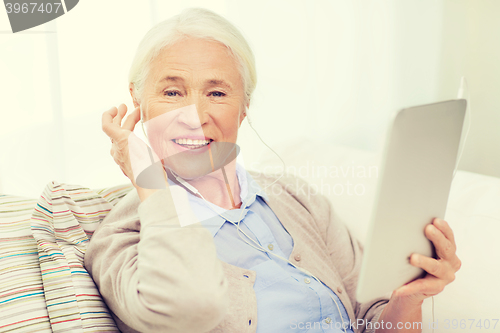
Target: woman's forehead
[{"x": 195, "y": 59}]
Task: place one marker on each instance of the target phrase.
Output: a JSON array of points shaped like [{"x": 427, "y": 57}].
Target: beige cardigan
[{"x": 158, "y": 277}]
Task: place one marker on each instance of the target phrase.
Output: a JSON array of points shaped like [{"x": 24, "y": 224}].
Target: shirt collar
[{"x": 248, "y": 186}]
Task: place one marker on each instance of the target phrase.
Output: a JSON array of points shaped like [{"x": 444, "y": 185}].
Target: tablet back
[{"x": 415, "y": 179}]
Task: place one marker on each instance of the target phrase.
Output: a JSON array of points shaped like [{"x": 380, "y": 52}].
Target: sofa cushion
[
  {"x": 63, "y": 221},
  {"x": 43, "y": 284},
  {"x": 22, "y": 300}
]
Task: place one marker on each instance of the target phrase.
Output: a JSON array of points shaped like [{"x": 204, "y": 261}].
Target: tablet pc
[{"x": 417, "y": 168}]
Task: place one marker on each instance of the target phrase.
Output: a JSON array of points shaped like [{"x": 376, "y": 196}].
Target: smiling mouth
[{"x": 192, "y": 144}]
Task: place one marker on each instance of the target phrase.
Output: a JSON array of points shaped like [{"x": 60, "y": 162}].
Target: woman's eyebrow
[
  {"x": 173, "y": 79},
  {"x": 210, "y": 82},
  {"x": 215, "y": 82}
]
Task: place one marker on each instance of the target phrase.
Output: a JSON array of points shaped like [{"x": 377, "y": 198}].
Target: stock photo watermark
[
  {"x": 465, "y": 324},
  {"x": 447, "y": 324},
  {"x": 350, "y": 180},
  {"x": 354, "y": 325},
  {"x": 27, "y": 14}
]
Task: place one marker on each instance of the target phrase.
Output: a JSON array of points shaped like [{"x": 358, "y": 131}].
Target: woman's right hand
[
  {"x": 112, "y": 126},
  {"x": 124, "y": 143}
]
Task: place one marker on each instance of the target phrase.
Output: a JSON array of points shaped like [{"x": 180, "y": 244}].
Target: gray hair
[{"x": 200, "y": 23}]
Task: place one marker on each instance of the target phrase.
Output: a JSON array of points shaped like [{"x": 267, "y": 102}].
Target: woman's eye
[
  {"x": 171, "y": 93},
  {"x": 217, "y": 94}
]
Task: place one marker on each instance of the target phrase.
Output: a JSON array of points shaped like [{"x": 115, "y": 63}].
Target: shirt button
[
  {"x": 339, "y": 290},
  {"x": 297, "y": 257},
  {"x": 306, "y": 280},
  {"x": 270, "y": 247},
  {"x": 328, "y": 320}
]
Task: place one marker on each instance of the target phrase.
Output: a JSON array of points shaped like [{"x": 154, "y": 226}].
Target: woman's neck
[{"x": 219, "y": 190}]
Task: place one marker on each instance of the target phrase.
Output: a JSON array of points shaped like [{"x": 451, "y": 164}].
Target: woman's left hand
[{"x": 440, "y": 272}]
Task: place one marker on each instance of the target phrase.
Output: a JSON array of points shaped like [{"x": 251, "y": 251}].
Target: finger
[
  {"x": 445, "y": 229},
  {"x": 122, "y": 110},
  {"x": 427, "y": 286},
  {"x": 112, "y": 130},
  {"x": 132, "y": 119},
  {"x": 107, "y": 116},
  {"x": 434, "y": 267},
  {"x": 444, "y": 247}
]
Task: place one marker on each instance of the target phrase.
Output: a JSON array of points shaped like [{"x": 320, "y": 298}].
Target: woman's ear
[
  {"x": 243, "y": 114},
  {"x": 132, "y": 93}
]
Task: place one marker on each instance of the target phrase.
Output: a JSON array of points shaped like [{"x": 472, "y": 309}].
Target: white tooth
[
  {"x": 189, "y": 141},
  {"x": 183, "y": 141}
]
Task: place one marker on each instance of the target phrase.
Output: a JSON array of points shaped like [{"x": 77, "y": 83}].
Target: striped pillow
[
  {"x": 22, "y": 301},
  {"x": 43, "y": 284}
]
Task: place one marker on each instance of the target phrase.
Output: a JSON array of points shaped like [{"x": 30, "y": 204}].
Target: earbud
[{"x": 248, "y": 118}]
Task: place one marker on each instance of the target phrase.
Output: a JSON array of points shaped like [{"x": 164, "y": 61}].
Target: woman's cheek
[{"x": 160, "y": 131}]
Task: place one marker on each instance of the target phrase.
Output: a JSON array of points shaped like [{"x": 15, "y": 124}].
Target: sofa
[{"x": 45, "y": 288}]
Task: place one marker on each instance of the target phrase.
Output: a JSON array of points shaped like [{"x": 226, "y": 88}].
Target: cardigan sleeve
[{"x": 153, "y": 274}]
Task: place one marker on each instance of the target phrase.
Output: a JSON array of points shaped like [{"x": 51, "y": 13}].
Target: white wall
[
  {"x": 471, "y": 47},
  {"x": 327, "y": 70}
]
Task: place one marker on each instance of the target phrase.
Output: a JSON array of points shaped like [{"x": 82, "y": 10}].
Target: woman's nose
[{"x": 193, "y": 116}]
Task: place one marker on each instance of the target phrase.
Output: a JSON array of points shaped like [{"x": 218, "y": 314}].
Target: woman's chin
[
  {"x": 189, "y": 165},
  {"x": 189, "y": 172}
]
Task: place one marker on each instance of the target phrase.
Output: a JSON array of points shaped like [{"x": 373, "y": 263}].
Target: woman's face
[{"x": 193, "y": 104}]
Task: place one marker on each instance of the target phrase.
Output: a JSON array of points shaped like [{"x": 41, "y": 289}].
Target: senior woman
[{"x": 191, "y": 83}]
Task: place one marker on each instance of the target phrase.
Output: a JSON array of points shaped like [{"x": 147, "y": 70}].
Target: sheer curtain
[{"x": 327, "y": 71}]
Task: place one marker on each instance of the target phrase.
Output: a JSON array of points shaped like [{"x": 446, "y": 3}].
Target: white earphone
[
  {"x": 258, "y": 247},
  {"x": 248, "y": 117}
]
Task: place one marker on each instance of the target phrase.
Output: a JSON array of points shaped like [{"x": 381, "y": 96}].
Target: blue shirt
[{"x": 288, "y": 300}]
